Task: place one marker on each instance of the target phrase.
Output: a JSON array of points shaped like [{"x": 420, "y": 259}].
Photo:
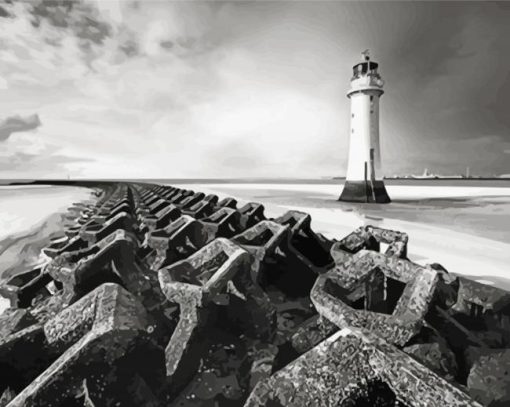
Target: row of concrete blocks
[
  {"x": 196, "y": 267},
  {"x": 369, "y": 347},
  {"x": 334, "y": 364},
  {"x": 70, "y": 325},
  {"x": 78, "y": 245}
]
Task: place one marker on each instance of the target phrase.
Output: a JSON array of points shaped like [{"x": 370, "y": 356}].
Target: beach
[
  {"x": 464, "y": 228},
  {"x": 30, "y": 216}
]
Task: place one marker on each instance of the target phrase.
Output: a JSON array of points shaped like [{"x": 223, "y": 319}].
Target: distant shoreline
[{"x": 474, "y": 182}]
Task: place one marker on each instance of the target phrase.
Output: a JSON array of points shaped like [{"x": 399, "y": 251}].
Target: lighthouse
[{"x": 363, "y": 182}]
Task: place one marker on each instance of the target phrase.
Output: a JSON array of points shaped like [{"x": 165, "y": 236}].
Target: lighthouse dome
[
  {"x": 367, "y": 68},
  {"x": 366, "y": 77}
]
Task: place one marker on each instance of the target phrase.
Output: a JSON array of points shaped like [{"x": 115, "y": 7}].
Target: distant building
[{"x": 363, "y": 182}]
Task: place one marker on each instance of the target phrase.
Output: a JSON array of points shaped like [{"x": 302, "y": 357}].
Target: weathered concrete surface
[
  {"x": 311, "y": 333},
  {"x": 262, "y": 239},
  {"x": 370, "y": 238},
  {"x": 115, "y": 252},
  {"x": 202, "y": 208},
  {"x": 227, "y": 203},
  {"x": 180, "y": 239},
  {"x": 336, "y": 292},
  {"x": 13, "y": 320},
  {"x": 100, "y": 328},
  {"x": 489, "y": 378},
  {"x": 196, "y": 284},
  {"x": 225, "y": 222},
  {"x": 22, "y": 288},
  {"x": 162, "y": 218},
  {"x": 155, "y": 296},
  {"x": 433, "y": 351},
  {"x": 305, "y": 246},
  {"x": 251, "y": 214},
  {"x": 329, "y": 373}
]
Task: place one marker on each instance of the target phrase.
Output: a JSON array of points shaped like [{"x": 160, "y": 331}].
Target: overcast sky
[{"x": 248, "y": 89}]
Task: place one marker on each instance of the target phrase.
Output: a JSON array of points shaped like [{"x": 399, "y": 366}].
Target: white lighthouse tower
[{"x": 363, "y": 182}]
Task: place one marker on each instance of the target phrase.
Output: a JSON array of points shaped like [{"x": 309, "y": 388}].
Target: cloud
[
  {"x": 15, "y": 124},
  {"x": 38, "y": 166},
  {"x": 77, "y": 17},
  {"x": 252, "y": 88}
]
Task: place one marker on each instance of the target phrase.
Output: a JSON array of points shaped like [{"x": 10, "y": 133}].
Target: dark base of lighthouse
[{"x": 365, "y": 191}]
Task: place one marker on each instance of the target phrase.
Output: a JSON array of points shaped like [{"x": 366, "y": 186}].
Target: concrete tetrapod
[
  {"x": 101, "y": 328},
  {"x": 387, "y": 295},
  {"x": 198, "y": 284}
]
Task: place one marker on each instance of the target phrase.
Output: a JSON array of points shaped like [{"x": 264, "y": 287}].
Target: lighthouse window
[
  {"x": 371, "y": 98},
  {"x": 353, "y": 115}
]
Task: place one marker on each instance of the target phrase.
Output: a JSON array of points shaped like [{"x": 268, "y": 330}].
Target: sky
[{"x": 161, "y": 89}]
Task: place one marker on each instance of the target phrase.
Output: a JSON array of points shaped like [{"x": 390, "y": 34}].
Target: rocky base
[{"x": 364, "y": 191}]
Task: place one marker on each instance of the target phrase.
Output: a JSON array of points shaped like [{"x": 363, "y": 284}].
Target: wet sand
[{"x": 29, "y": 218}]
